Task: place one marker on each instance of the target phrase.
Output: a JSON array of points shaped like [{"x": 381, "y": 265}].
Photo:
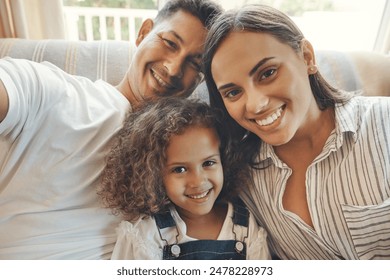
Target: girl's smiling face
[
  {"x": 193, "y": 175},
  {"x": 264, "y": 85}
]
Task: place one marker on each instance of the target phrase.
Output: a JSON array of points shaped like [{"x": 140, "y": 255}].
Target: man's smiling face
[{"x": 168, "y": 58}]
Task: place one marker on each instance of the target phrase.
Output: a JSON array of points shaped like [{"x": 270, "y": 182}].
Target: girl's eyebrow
[
  {"x": 181, "y": 163},
  {"x": 212, "y": 156},
  {"x": 259, "y": 64},
  {"x": 175, "y": 164}
]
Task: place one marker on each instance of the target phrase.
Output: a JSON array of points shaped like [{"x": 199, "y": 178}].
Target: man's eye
[
  {"x": 179, "y": 169},
  {"x": 196, "y": 65},
  {"x": 170, "y": 43}
]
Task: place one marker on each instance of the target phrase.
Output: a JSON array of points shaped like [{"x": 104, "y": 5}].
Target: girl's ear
[{"x": 146, "y": 27}]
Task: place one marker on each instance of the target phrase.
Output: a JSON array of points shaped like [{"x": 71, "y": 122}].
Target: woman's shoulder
[
  {"x": 361, "y": 107},
  {"x": 367, "y": 101}
]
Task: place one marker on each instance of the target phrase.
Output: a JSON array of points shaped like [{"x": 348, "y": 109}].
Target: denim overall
[{"x": 206, "y": 249}]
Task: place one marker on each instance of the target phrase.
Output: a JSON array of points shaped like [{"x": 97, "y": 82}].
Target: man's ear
[{"x": 146, "y": 27}]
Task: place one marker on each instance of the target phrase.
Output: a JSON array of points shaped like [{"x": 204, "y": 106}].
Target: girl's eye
[
  {"x": 179, "y": 169},
  {"x": 209, "y": 163},
  {"x": 268, "y": 73}
]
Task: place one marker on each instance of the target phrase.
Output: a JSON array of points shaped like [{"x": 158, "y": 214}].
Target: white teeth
[
  {"x": 203, "y": 194},
  {"x": 159, "y": 80},
  {"x": 270, "y": 119}
]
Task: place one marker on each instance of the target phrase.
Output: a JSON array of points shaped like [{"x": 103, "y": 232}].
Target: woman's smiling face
[{"x": 264, "y": 84}]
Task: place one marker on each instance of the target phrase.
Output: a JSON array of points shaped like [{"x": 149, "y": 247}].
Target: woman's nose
[{"x": 256, "y": 101}]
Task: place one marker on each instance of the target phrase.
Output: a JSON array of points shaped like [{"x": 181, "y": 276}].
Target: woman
[{"x": 319, "y": 156}]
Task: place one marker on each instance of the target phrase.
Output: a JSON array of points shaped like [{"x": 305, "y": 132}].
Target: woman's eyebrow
[
  {"x": 259, "y": 64},
  {"x": 229, "y": 85}
]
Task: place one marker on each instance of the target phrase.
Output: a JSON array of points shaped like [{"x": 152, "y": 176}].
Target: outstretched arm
[{"x": 3, "y": 102}]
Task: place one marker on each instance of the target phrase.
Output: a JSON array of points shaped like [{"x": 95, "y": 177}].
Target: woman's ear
[
  {"x": 146, "y": 27},
  {"x": 309, "y": 57},
  {"x": 308, "y": 52}
]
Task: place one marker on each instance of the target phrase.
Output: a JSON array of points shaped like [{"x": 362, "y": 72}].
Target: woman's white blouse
[{"x": 347, "y": 187}]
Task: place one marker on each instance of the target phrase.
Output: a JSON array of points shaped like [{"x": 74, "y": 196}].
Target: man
[{"x": 55, "y": 131}]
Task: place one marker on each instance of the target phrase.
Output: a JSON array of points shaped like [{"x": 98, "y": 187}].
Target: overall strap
[
  {"x": 241, "y": 213},
  {"x": 164, "y": 220}
]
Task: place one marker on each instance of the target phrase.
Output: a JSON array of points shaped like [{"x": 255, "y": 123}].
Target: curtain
[
  {"x": 32, "y": 19},
  {"x": 382, "y": 43}
]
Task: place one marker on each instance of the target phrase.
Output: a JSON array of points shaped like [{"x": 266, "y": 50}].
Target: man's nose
[{"x": 174, "y": 66}]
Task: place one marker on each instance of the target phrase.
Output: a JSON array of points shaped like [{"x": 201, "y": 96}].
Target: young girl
[{"x": 165, "y": 175}]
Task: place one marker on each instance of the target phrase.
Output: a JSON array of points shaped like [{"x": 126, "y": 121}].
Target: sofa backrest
[
  {"x": 109, "y": 60},
  {"x": 106, "y": 60}
]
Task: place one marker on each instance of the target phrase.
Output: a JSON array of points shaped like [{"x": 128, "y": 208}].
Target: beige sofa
[{"x": 109, "y": 60}]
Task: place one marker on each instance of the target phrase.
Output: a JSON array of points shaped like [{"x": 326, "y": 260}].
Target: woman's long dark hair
[{"x": 261, "y": 19}]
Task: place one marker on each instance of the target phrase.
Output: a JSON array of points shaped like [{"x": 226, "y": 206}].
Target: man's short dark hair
[{"x": 204, "y": 10}]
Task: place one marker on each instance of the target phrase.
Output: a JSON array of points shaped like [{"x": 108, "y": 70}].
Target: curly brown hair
[{"x": 132, "y": 182}]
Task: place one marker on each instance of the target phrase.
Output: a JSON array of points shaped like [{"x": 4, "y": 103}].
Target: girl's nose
[{"x": 196, "y": 179}]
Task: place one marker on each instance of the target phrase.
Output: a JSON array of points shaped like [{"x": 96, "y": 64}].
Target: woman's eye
[
  {"x": 268, "y": 73},
  {"x": 179, "y": 169},
  {"x": 231, "y": 93}
]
